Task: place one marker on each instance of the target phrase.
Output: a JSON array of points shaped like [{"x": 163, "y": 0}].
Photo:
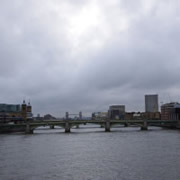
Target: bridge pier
[
  {"x": 67, "y": 127},
  {"x": 28, "y": 129},
  {"x": 51, "y": 126},
  {"x": 125, "y": 124},
  {"x": 144, "y": 127},
  {"x": 107, "y": 126},
  {"x": 77, "y": 126},
  {"x": 67, "y": 115}
]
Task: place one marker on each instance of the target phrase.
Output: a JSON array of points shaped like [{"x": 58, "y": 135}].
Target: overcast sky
[{"x": 77, "y": 55}]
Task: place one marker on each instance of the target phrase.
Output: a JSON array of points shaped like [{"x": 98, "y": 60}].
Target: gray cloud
[{"x": 83, "y": 56}]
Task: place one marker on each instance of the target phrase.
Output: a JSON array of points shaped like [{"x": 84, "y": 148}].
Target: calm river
[{"x": 89, "y": 153}]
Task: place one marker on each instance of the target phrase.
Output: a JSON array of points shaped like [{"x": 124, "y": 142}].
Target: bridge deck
[
  {"x": 62, "y": 122},
  {"x": 68, "y": 124}
]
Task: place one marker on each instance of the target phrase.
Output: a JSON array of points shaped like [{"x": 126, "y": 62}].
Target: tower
[
  {"x": 24, "y": 110},
  {"x": 151, "y": 103},
  {"x": 29, "y": 108},
  {"x": 29, "y": 111}
]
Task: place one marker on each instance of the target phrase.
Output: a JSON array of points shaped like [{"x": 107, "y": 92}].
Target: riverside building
[
  {"x": 10, "y": 112},
  {"x": 116, "y": 112},
  {"x": 170, "y": 111}
]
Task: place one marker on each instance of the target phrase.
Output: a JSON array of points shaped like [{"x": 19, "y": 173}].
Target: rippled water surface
[{"x": 90, "y": 153}]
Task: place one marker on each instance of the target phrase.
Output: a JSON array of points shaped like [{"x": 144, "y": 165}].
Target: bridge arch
[{"x": 30, "y": 129}]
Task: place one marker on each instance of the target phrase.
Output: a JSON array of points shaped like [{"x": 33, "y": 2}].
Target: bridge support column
[
  {"x": 125, "y": 124},
  {"x": 67, "y": 127},
  {"x": 51, "y": 126},
  {"x": 107, "y": 126},
  {"x": 144, "y": 126},
  {"x": 77, "y": 126},
  {"x": 28, "y": 129},
  {"x": 67, "y": 115}
]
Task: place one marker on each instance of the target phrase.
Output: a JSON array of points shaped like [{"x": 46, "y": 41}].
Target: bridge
[{"x": 29, "y": 126}]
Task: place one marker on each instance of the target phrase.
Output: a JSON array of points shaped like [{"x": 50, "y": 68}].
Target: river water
[{"x": 89, "y": 153}]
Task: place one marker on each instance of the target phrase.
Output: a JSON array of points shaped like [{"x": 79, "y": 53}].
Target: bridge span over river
[{"x": 29, "y": 126}]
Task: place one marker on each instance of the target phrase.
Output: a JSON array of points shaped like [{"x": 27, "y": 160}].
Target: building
[
  {"x": 10, "y": 112},
  {"x": 29, "y": 111},
  {"x": 151, "y": 103},
  {"x": 129, "y": 116},
  {"x": 152, "y": 115},
  {"x": 49, "y": 117},
  {"x": 99, "y": 115},
  {"x": 170, "y": 111},
  {"x": 116, "y": 112}
]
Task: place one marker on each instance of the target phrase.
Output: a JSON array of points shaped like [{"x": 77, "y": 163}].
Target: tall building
[
  {"x": 117, "y": 112},
  {"x": 170, "y": 111},
  {"x": 151, "y": 103}
]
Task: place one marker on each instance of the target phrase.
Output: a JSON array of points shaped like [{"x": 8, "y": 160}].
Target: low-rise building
[
  {"x": 99, "y": 115},
  {"x": 152, "y": 115}
]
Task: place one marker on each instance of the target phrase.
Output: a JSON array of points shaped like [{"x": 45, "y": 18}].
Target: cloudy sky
[{"x": 77, "y": 55}]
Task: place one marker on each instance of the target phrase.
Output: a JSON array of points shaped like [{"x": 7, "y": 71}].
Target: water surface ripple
[{"x": 91, "y": 154}]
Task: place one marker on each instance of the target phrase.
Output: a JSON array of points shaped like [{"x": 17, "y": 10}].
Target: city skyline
[
  {"x": 89, "y": 89},
  {"x": 151, "y": 104},
  {"x": 84, "y": 56}
]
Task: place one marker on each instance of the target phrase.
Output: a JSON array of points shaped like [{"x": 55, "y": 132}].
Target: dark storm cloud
[{"x": 85, "y": 56}]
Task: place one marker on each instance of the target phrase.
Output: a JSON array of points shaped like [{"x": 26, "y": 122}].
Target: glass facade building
[{"x": 10, "y": 108}]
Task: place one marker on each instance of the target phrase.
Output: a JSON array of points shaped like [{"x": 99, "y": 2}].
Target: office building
[
  {"x": 170, "y": 111},
  {"x": 151, "y": 103},
  {"x": 117, "y": 112}
]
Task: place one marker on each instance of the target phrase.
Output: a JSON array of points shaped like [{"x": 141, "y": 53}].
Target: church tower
[
  {"x": 24, "y": 110},
  {"x": 29, "y": 111},
  {"x": 29, "y": 108}
]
